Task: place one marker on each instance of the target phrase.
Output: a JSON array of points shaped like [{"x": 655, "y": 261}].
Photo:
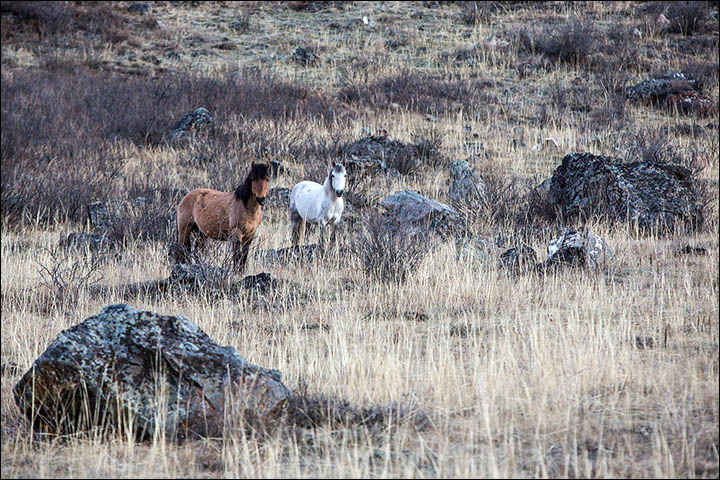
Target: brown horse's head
[{"x": 260, "y": 176}]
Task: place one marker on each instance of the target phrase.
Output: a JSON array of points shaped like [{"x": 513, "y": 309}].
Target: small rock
[
  {"x": 304, "y": 56},
  {"x": 193, "y": 122},
  {"x": 141, "y": 8},
  {"x": 580, "y": 248}
]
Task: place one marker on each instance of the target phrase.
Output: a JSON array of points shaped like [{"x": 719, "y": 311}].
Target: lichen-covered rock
[
  {"x": 659, "y": 88},
  {"x": 191, "y": 123},
  {"x": 581, "y": 248},
  {"x": 674, "y": 90},
  {"x": 410, "y": 208},
  {"x": 467, "y": 188},
  {"x": 652, "y": 194},
  {"x": 125, "y": 368}
]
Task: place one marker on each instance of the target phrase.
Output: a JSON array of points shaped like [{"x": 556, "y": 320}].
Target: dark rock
[
  {"x": 277, "y": 168},
  {"x": 659, "y": 88},
  {"x": 467, "y": 188},
  {"x": 304, "y": 56},
  {"x": 191, "y": 123},
  {"x": 141, "y": 8},
  {"x": 131, "y": 368},
  {"x": 519, "y": 258},
  {"x": 673, "y": 90},
  {"x": 262, "y": 282},
  {"x": 652, "y": 194},
  {"x": 410, "y": 208},
  {"x": 99, "y": 216},
  {"x": 690, "y": 250},
  {"x": 380, "y": 154},
  {"x": 645, "y": 342},
  {"x": 197, "y": 274},
  {"x": 579, "y": 248}
]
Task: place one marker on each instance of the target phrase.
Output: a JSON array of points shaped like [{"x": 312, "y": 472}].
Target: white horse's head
[{"x": 337, "y": 178}]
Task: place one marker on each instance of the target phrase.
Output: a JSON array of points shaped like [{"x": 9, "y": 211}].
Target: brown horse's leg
[
  {"x": 185, "y": 226},
  {"x": 241, "y": 248}
]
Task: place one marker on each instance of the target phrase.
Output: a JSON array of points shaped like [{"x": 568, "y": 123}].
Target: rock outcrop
[
  {"x": 155, "y": 374},
  {"x": 412, "y": 209},
  {"x": 653, "y": 194}
]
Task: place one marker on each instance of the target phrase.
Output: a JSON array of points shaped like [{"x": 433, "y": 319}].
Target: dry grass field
[{"x": 462, "y": 370}]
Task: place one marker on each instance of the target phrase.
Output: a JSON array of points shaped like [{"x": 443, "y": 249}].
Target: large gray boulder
[
  {"x": 652, "y": 194},
  {"x": 126, "y": 368},
  {"x": 410, "y": 208}
]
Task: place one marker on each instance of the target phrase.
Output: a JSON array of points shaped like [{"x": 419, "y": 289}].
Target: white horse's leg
[{"x": 297, "y": 226}]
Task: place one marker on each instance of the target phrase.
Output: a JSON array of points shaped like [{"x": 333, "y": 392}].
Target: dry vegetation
[{"x": 459, "y": 370}]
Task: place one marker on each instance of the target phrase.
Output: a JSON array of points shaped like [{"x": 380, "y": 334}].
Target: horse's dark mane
[{"x": 244, "y": 190}]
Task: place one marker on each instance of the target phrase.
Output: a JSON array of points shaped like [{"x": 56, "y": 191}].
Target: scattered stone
[
  {"x": 381, "y": 154},
  {"x": 518, "y": 259},
  {"x": 467, "y": 188},
  {"x": 690, "y": 250},
  {"x": 304, "y": 56},
  {"x": 645, "y": 342},
  {"x": 673, "y": 90},
  {"x": 261, "y": 283},
  {"x": 198, "y": 274},
  {"x": 652, "y": 194},
  {"x": 99, "y": 216},
  {"x": 129, "y": 364},
  {"x": 580, "y": 248},
  {"x": 199, "y": 120},
  {"x": 410, "y": 208},
  {"x": 141, "y": 8}
]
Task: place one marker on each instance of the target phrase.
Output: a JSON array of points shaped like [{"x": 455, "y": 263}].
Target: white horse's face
[{"x": 338, "y": 179}]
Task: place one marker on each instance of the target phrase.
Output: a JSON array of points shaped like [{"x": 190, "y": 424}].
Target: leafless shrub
[
  {"x": 686, "y": 18},
  {"x": 570, "y": 43},
  {"x": 390, "y": 251},
  {"x": 52, "y": 21},
  {"x": 64, "y": 277},
  {"x": 420, "y": 92}
]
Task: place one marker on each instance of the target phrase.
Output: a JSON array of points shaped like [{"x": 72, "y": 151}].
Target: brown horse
[{"x": 224, "y": 215}]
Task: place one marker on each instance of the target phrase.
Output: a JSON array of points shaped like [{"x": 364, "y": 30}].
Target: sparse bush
[
  {"x": 685, "y": 18},
  {"x": 64, "y": 278},
  {"x": 420, "y": 92},
  {"x": 560, "y": 44},
  {"x": 52, "y": 21},
  {"x": 389, "y": 251}
]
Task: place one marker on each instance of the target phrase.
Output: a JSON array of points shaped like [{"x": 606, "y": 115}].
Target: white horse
[{"x": 318, "y": 204}]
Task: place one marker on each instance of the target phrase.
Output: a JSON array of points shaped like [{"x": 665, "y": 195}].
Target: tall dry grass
[{"x": 574, "y": 373}]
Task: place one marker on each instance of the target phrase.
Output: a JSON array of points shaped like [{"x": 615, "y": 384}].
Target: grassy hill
[{"x": 573, "y": 373}]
